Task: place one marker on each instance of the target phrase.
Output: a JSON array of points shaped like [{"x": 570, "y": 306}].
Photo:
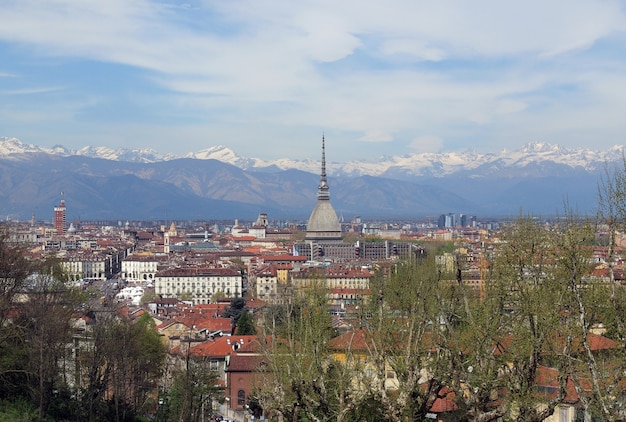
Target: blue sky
[{"x": 267, "y": 78}]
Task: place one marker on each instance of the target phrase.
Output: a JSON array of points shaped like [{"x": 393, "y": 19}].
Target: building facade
[
  {"x": 198, "y": 285},
  {"x": 60, "y": 218}
]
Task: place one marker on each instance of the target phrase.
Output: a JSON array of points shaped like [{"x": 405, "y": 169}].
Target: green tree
[
  {"x": 235, "y": 310},
  {"x": 245, "y": 325}
]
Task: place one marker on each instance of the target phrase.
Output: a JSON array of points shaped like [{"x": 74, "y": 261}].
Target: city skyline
[{"x": 268, "y": 78}]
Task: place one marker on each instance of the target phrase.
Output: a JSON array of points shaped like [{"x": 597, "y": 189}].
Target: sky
[{"x": 269, "y": 78}]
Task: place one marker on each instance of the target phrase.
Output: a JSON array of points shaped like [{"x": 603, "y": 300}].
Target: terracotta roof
[
  {"x": 354, "y": 340},
  {"x": 201, "y": 322},
  {"x": 243, "y": 238},
  {"x": 221, "y": 346},
  {"x": 245, "y": 363},
  {"x": 255, "y": 303},
  {"x": 547, "y": 379},
  {"x": 284, "y": 257},
  {"x": 596, "y": 343},
  {"x": 445, "y": 402}
]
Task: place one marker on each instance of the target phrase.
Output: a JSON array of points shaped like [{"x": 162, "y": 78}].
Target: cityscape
[
  {"x": 188, "y": 277},
  {"x": 355, "y": 211}
]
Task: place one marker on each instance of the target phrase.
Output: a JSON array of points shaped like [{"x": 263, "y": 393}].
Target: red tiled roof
[
  {"x": 354, "y": 340},
  {"x": 243, "y": 238},
  {"x": 445, "y": 402},
  {"x": 548, "y": 379},
  {"x": 221, "y": 346},
  {"x": 596, "y": 343},
  {"x": 284, "y": 257},
  {"x": 244, "y": 363},
  {"x": 255, "y": 303}
]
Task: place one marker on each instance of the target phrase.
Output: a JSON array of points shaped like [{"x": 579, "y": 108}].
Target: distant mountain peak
[
  {"x": 10, "y": 146},
  {"x": 538, "y": 147},
  {"x": 402, "y": 166}
]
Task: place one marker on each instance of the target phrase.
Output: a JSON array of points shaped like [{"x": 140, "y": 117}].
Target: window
[{"x": 241, "y": 397}]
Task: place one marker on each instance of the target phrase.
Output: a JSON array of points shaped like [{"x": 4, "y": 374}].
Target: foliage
[
  {"x": 497, "y": 335},
  {"x": 235, "y": 310},
  {"x": 19, "y": 410},
  {"x": 192, "y": 393},
  {"x": 400, "y": 338},
  {"x": 14, "y": 272},
  {"x": 124, "y": 360},
  {"x": 350, "y": 237},
  {"x": 298, "y": 235},
  {"x": 217, "y": 296},
  {"x": 45, "y": 319},
  {"x": 245, "y": 325},
  {"x": 304, "y": 382}
]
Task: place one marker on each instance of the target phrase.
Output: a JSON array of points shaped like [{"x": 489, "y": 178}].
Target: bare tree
[
  {"x": 496, "y": 339},
  {"x": 402, "y": 333},
  {"x": 14, "y": 272},
  {"x": 45, "y": 319},
  {"x": 303, "y": 380}
]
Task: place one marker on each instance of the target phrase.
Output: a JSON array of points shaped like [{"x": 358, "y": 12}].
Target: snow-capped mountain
[
  {"x": 404, "y": 166},
  {"x": 14, "y": 148},
  {"x": 107, "y": 183}
]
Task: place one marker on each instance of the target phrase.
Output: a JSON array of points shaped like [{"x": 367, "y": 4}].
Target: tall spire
[
  {"x": 322, "y": 189},
  {"x": 323, "y": 225},
  {"x": 323, "y": 158}
]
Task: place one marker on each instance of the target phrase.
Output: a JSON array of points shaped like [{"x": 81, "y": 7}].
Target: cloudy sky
[{"x": 267, "y": 78}]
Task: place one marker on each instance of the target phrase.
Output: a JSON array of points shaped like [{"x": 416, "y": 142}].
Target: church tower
[{"x": 323, "y": 225}]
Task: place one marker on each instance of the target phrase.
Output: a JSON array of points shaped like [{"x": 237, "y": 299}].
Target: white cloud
[
  {"x": 31, "y": 91},
  {"x": 372, "y": 71},
  {"x": 412, "y": 47},
  {"x": 377, "y": 136},
  {"x": 426, "y": 144}
]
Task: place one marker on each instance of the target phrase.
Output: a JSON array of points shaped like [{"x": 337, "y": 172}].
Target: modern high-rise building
[{"x": 59, "y": 218}]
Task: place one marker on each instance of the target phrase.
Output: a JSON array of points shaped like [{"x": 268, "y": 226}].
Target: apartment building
[
  {"x": 198, "y": 284},
  {"x": 140, "y": 267}
]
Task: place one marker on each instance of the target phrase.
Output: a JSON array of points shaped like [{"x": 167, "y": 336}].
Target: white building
[
  {"x": 140, "y": 268},
  {"x": 265, "y": 280},
  {"x": 87, "y": 267},
  {"x": 198, "y": 284}
]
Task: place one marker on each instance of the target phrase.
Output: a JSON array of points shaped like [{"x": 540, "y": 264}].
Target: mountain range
[{"x": 216, "y": 183}]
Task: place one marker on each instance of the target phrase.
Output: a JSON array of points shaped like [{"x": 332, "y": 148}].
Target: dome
[{"x": 323, "y": 223}]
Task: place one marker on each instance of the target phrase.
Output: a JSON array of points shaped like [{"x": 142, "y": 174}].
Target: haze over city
[{"x": 268, "y": 78}]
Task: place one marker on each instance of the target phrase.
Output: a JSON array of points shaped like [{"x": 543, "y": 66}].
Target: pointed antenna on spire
[
  {"x": 323, "y": 157},
  {"x": 322, "y": 190}
]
